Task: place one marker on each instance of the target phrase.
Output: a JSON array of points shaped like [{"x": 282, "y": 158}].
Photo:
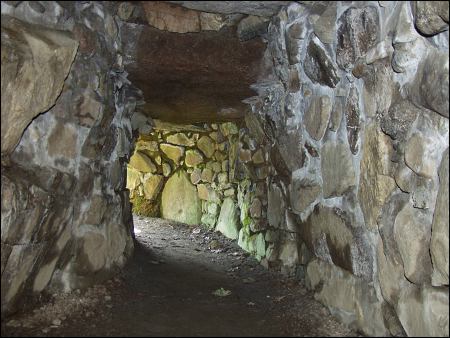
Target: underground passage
[{"x": 224, "y": 168}]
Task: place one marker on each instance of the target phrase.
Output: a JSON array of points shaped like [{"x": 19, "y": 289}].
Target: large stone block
[
  {"x": 376, "y": 184},
  {"x": 35, "y": 63},
  {"x": 317, "y": 116},
  {"x": 175, "y": 153},
  {"x": 431, "y": 16},
  {"x": 141, "y": 162},
  {"x": 357, "y": 33},
  {"x": 179, "y": 201},
  {"x": 206, "y": 145},
  {"x": 412, "y": 231},
  {"x": 331, "y": 236},
  {"x": 152, "y": 186},
  {"x": 303, "y": 193},
  {"x": 424, "y": 312},
  {"x": 319, "y": 66},
  {"x": 439, "y": 238},
  {"x": 228, "y": 221},
  {"x": 349, "y": 298},
  {"x": 338, "y": 173}
]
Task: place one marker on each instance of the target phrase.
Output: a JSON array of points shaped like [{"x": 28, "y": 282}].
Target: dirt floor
[{"x": 167, "y": 289}]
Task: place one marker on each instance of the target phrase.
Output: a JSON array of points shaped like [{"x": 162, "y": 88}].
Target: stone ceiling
[
  {"x": 194, "y": 66},
  {"x": 260, "y": 8}
]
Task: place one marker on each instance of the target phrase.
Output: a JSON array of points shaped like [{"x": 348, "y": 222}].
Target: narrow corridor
[{"x": 167, "y": 290}]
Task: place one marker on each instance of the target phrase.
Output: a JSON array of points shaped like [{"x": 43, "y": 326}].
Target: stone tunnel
[{"x": 312, "y": 134}]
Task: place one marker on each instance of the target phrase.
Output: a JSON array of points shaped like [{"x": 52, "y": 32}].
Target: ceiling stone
[
  {"x": 194, "y": 77},
  {"x": 259, "y": 8}
]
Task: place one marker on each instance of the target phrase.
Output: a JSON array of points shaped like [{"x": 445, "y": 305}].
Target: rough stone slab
[
  {"x": 179, "y": 201},
  {"x": 358, "y": 30},
  {"x": 349, "y": 298},
  {"x": 338, "y": 173},
  {"x": 440, "y": 238},
  {"x": 206, "y": 145},
  {"x": 431, "y": 16},
  {"x": 412, "y": 231},
  {"x": 180, "y": 139},
  {"x": 424, "y": 313},
  {"x": 175, "y": 153},
  {"x": 142, "y": 163},
  {"x": 193, "y": 158},
  {"x": 228, "y": 221},
  {"x": 318, "y": 65},
  {"x": 152, "y": 186},
  {"x": 375, "y": 184},
  {"x": 317, "y": 116},
  {"x": 35, "y": 62}
]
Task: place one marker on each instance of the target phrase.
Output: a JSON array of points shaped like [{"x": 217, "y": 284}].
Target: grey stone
[
  {"x": 317, "y": 116},
  {"x": 424, "y": 312},
  {"x": 419, "y": 157},
  {"x": 431, "y": 83},
  {"x": 228, "y": 222},
  {"x": 349, "y": 298},
  {"x": 255, "y": 208},
  {"x": 179, "y": 200},
  {"x": 196, "y": 175},
  {"x": 399, "y": 119},
  {"x": 318, "y": 65},
  {"x": 211, "y": 21},
  {"x": 32, "y": 75},
  {"x": 254, "y": 244},
  {"x": 336, "y": 115},
  {"x": 375, "y": 183},
  {"x": 358, "y": 32},
  {"x": 439, "y": 238},
  {"x": 352, "y": 117},
  {"x": 325, "y": 25},
  {"x": 251, "y": 27},
  {"x": 266, "y": 8},
  {"x": 258, "y": 157},
  {"x": 331, "y": 236},
  {"x": 412, "y": 231},
  {"x": 275, "y": 207},
  {"x": 207, "y": 175},
  {"x": 338, "y": 173},
  {"x": 207, "y": 193},
  {"x": 431, "y": 16},
  {"x": 208, "y": 220},
  {"x": 303, "y": 193}
]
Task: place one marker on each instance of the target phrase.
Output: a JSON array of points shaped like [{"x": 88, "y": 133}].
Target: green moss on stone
[{"x": 143, "y": 207}]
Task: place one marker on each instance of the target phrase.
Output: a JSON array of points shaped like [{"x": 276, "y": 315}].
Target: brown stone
[
  {"x": 173, "y": 60},
  {"x": 170, "y": 17}
]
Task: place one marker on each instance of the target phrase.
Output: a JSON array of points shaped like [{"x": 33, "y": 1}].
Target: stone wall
[
  {"x": 210, "y": 174},
  {"x": 356, "y": 113},
  {"x": 66, "y": 138}
]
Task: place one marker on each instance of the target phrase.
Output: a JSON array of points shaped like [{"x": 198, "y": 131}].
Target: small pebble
[
  {"x": 56, "y": 322},
  {"x": 107, "y": 298}
]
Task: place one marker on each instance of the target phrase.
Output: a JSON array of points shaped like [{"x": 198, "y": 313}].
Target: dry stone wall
[
  {"x": 66, "y": 139},
  {"x": 209, "y": 174},
  {"x": 355, "y": 117}
]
